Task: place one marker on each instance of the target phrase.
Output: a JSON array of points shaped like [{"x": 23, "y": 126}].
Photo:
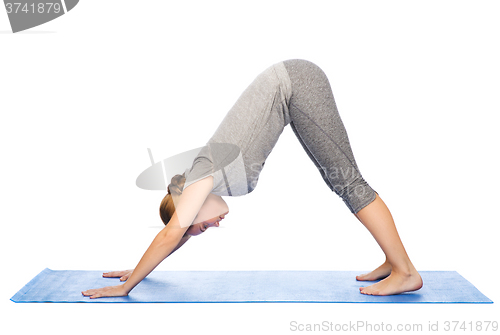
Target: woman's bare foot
[
  {"x": 396, "y": 283},
  {"x": 381, "y": 272}
]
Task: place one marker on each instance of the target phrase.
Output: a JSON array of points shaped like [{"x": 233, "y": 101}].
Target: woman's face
[
  {"x": 201, "y": 227},
  {"x": 214, "y": 209}
]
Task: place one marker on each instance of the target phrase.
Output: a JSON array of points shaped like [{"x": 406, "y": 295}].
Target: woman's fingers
[
  {"x": 116, "y": 274},
  {"x": 93, "y": 293},
  {"x": 88, "y": 292},
  {"x": 123, "y": 275},
  {"x": 127, "y": 275},
  {"x": 110, "y": 274},
  {"x": 113, "y": 274},
  {"x": 109, "y": 291}
]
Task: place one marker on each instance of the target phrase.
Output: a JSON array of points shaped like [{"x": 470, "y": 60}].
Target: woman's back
[{"x": 253, "y": 125}]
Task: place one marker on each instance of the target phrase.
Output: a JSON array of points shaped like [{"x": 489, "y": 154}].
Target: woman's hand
[
  {"x": 108, "y": 291},
  {"x": 123, "y": 275}
]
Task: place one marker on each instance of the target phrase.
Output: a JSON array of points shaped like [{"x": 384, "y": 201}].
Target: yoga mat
[{"x": 244, "y": 286}]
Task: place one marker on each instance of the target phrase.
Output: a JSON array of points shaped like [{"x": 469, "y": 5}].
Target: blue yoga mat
[{"x": 244, "y": 286}]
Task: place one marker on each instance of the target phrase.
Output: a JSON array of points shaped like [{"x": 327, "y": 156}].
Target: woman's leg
[
  {"x": 402, "y": 275},
  {"x": 319, "y": 128}
]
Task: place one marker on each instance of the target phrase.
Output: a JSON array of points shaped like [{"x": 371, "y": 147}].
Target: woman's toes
[
  {"x": 366, "y": 277},
  {"x": 361, "y": 277}
]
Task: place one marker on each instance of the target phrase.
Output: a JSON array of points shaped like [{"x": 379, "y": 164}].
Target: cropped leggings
[{"x": 319, "y": 129}]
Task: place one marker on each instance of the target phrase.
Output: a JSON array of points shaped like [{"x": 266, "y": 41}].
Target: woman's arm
[
  {"x": 167, "y": 241},
  {"x": 123, "y": 275},
  {"x": 183, "y": 240}
]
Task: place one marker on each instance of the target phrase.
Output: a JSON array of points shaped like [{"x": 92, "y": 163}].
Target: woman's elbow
[{"x": 170, "y": 237}]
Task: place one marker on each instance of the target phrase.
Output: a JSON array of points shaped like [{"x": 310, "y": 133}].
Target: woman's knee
[{"x": 356, "y": 194}]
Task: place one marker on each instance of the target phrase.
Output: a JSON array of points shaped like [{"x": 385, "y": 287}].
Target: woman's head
[
  {"x": 167, "y": 207},
  {"x": 214, "y": 208}
]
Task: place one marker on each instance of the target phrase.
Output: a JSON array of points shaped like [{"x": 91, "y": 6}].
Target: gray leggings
[{"x": 317, "y": 124}]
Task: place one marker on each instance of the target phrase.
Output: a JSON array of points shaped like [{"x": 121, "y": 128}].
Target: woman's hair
[{"x": 167, "y": 207}]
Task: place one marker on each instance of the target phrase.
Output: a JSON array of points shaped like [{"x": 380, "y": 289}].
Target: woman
[{"x": 295, "y": 92}]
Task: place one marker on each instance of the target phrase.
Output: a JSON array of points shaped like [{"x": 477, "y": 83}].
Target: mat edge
[{"x": 25, "y": 289}]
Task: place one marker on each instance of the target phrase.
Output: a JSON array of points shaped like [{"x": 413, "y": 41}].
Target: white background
[{"x": 84, "y": 96}]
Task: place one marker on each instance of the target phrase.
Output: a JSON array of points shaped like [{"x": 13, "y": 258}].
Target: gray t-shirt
[{"x": 236, "y": 153}]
